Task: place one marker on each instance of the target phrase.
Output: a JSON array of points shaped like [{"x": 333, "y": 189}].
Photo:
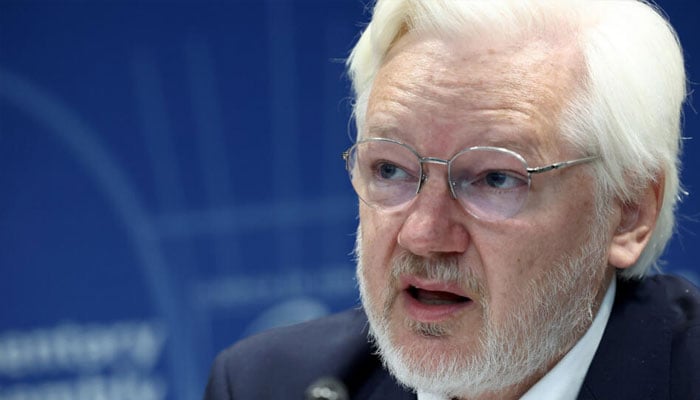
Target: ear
[{"x": 636, "y": 225}]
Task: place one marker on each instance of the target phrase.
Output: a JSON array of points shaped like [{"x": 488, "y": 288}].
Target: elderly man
[{"x": 517, "y": 165}]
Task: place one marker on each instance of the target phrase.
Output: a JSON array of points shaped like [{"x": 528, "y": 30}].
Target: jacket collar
[{"x": 633, "y": 358}]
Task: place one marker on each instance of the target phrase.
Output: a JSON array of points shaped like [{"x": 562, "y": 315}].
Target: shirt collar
[{"x": 564, "y": 381}]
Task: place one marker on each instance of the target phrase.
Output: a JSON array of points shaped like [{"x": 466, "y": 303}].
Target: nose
[{"x": 435, "y": 222}]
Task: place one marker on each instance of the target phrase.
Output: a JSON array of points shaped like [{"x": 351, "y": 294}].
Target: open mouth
[{"x": 435, "y": 297}]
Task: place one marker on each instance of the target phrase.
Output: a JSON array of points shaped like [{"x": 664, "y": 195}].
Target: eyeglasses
[{"x": 491, "y": 183}]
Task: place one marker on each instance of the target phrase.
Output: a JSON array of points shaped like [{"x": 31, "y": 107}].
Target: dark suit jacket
[{"x": 650, "y": 350}]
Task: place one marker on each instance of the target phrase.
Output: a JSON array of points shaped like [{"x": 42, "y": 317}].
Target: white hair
[{"x": 628, "y": 106}]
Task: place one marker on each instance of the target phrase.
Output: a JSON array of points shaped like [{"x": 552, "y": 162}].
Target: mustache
[{"x": 443, "y": 268}]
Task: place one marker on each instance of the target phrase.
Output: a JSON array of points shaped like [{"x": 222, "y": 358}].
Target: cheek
[
  {"x": 378, "y": 241},
  {"x": 562, "y": 222},
  {"x": 507, "y": 261},
  {"x": 379, "y": 233},
  {"x": 518, "y": 257}
]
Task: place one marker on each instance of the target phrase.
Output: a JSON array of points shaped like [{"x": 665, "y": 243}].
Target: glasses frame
[{"x": 440, "y": 161}]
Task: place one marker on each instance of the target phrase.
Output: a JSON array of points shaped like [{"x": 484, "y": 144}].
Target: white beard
[{"x": 540, "y": 329}]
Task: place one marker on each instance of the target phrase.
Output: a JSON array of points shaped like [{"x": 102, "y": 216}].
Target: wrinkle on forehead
[{"x": 527, "y": 80}]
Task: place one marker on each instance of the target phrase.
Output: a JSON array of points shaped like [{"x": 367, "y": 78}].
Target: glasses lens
[
  {"x": 491, "y": 183},
  {"x": 383, "y": 173}
]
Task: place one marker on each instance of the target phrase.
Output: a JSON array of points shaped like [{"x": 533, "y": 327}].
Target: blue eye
[
  {"x": 502, "y": 180},
  {"x": 390, "y": 171},
  {"x": 491, "y": 180}
]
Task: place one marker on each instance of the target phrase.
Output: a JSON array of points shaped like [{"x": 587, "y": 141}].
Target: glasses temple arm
[{"x": 562, "y": 165}]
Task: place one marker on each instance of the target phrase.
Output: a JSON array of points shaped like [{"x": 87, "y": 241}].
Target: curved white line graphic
[{"x": 82, "y": 142}]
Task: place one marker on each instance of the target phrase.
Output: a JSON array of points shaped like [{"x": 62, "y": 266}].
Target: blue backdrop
[{"x": 171, "y": 181}]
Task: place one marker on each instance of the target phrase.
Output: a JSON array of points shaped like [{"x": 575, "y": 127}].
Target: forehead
[{"x": 474, "y": 94}]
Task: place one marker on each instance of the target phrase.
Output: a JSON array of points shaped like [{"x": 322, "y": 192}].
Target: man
[{"x": 517, "y": 166}]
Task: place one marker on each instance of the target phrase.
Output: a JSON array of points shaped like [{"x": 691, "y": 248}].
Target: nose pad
[
  {"x": 421, "y": 181},
  {"x": 424, "y": 175},
  {"x": 424, "y": 179}
]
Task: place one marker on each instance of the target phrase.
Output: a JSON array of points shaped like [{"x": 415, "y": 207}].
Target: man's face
[{"x": 451, "y": 297}]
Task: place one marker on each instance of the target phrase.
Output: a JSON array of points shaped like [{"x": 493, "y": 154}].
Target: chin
[
  {"x": 434, "y": 357},
  {"x": 433, "y": 364},
  {"x": 449, "y": 365}
]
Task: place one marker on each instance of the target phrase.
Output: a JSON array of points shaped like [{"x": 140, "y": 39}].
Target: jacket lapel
[
  {"x": 632, "y": 360},
  {"x": 390, "y": 390},
  {"x": 380, "y": 385}
]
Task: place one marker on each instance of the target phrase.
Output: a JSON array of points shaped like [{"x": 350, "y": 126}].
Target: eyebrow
[
  {"x": 383, "y": 130},
  {"x": 531, "y": 150}
]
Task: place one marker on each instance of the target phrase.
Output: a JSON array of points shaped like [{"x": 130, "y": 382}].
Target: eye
[
  {"x": 389, "y": 171},
  {"x": 493, "y": 180},
  {"x": 503, "y": 180}
]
